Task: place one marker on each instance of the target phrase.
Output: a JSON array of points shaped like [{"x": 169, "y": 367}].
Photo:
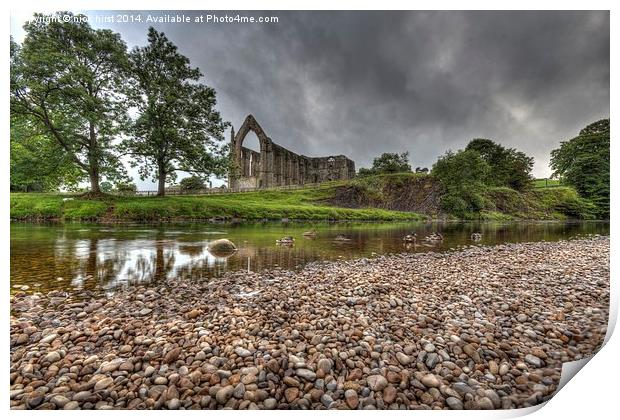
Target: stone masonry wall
[{"x": 275, "y": 165}]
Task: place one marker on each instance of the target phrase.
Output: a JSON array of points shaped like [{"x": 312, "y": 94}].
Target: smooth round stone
[
  {"x": 454, "y": 403},
  {"x": 270, "y": 403},
  {"x": 160, "y": 380},
  {"x": 503, "y": 369},
  {"x": 307, "y": 374},
  {"x": 103, "y": 383},
  {"x": 533, "y": 360},
  {"x": 403, "y": 359},
  {"x": 223, "y": 395},
  {"x": 239, "y": 391},
  {"x": 241, "y": 352},
  {"x": 82, "y": 396},
  {"x": 430, "y": 381},
  {"x": 173, "y": 404},
  {"x": 325, "y": 365},
  {"x": 429, "y": 348},
  {"x": 60, "y": 400},
  {"x": 71, "y": 405},
  {"x": 431, "y": 360},
  {"x": 389, "y": 394},
  {"x": 53, "y": 356},
  {"x": 485, "y": 403},
  {"x": 377, "y": 382},
  {"x": 351, "y": 399},
  {"x": 327, "y": 400}
]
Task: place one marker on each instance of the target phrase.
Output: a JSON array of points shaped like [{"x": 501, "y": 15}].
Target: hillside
[{"x": 423, "y": 193}]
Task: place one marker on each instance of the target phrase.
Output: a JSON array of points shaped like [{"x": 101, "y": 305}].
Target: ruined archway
[
  {"x": 253, "y": 168},
  {"x": 275, "y": 165}
]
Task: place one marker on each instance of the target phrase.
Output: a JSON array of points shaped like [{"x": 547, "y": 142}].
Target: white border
[{"x": 592, "y": 394}]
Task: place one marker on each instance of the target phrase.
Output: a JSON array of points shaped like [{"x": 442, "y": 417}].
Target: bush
[
  {"x": 105, "y": 186},
  {"x": 126, "y": 187},
  {"x": 462, "y": 175},
  {"x": 192, "y": 183}
]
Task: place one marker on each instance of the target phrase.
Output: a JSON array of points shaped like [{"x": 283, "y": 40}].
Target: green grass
[
  {"x": 539, "y": 203},
  {"x": 303, "y": 204},
  {"x": 559, "y": 202},
  {"x": 546, "y": 183}
]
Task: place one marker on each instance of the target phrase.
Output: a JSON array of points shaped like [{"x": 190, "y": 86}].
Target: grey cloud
[{"x": 361, "y": 83}]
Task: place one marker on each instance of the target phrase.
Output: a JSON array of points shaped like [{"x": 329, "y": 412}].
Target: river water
[{"x": 105, "y": 257}]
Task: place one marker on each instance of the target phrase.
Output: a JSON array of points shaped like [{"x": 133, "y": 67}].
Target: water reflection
[{"x": 99, "y": 257}]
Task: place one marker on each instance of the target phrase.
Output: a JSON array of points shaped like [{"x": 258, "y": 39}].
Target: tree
[
  {"x": 178, "y": 127},
  {"x": 583, "y": 162},
  {"x": 38, "y": 163},
  {"x": 388, "y": 163},
  {"x": 509, "y": 167},
  {"x": 463, "y": 176},
  {"x": 106, "y": 186},
  {"x": 65, "y": 80},
  {"x": 192, "y": 183}
]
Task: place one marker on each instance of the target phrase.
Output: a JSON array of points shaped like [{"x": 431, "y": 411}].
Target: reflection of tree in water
[
  {"x": 192, "y": 250},
  {"x": 53, "y": 257}
]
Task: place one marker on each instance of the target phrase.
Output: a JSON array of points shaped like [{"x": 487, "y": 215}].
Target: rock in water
[{"x": 222, "y": 248}]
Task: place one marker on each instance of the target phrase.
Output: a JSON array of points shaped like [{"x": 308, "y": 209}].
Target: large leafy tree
[
  {"x": 38, "y": 163},
  {"x": 464, "y": 176},
  {"x": 583, "y": 162},
  {"x": 178, "y": 127},
  {"x": 509, "y": 167},
  {"x": 388, "y": 163},
  {"x": 66, "y": 80}
]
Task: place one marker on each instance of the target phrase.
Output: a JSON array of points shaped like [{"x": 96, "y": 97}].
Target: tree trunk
[
  {"x": 93, "y": 161},
  {"x": 93, "y": 174},
  {"x": 161, "y": 178}
]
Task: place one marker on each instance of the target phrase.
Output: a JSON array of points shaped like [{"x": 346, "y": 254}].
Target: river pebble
[{"x": 484, "y": 327}]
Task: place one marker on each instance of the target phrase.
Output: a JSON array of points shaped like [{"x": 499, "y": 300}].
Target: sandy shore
[{"x": 483, "y": 327}]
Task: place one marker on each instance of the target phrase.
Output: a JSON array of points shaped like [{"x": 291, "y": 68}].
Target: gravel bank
[{"x": 479, "y": 328}]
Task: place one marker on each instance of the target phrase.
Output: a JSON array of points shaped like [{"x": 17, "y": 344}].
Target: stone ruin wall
[{"x": 275, "y": 165}]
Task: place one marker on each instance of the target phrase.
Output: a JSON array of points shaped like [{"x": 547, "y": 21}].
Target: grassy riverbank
[
  {"x": 307, "y": 204},
  {"x": 383, "y": 197}
]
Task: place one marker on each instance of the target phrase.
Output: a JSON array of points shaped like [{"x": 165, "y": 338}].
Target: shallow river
[{"x": 104, "y": 257}]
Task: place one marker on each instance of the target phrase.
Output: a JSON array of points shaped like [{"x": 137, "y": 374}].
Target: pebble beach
[{"x": 482, "y": 327}]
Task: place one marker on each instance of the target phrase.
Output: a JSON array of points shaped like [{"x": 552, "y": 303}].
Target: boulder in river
[{"x": 222, "y": 248}]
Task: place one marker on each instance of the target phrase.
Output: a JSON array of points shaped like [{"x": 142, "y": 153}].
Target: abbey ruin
[{"x": 275, "y": 166}]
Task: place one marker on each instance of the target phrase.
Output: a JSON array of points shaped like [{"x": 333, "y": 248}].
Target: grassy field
[
  {"x": 546, "y": 183},
  {"x": 540, "y": 203},
  {"x": 303, "y": 204}
]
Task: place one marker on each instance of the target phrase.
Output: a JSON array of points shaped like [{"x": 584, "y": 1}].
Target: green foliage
[
  {"x": 106, "y": 186},
  {"x": 509, "y": 167},
  {"x": 178, "y": 127},
  {"x": 388, "y": 163},
  {"x": 583, "y": 162},
  {"x": 192, "y": 183},
  {"x": 540, "y": 203},
  {"x": 65, "y": 82},
  {"x": 126, "y": 187},
  {"x": 463, "y": 175}
]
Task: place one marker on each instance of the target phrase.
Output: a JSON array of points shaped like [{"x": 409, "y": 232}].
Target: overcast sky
[{"x": 364, "y": 83}]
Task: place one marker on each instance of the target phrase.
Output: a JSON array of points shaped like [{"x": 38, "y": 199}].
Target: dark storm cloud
[{"x": 362, "y": 83}]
